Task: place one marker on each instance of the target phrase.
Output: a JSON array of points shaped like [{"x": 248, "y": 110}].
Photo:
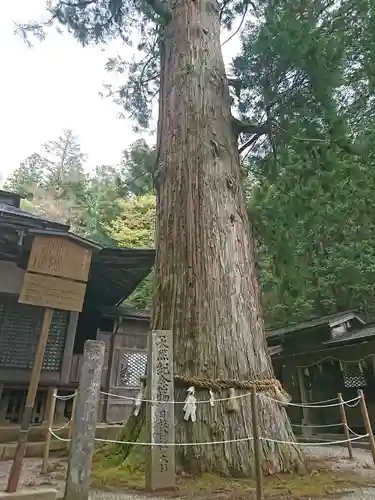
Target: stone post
[
  {"x": 160, "y": 473},
  {"x": 82, "y": 445}
]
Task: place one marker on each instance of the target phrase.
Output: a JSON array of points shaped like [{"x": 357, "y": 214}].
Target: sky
[{"x": 55, "y": 85}]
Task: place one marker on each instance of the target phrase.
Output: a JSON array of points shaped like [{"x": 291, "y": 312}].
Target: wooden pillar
[
  {"x": 366, "y": 421},
  {"x": 68, "y": 351},
  {"x": 83, "y": 439},
  {"x": 51, "y": 401},
  {"x": 111, "y": 352},
  {"x": 345, "y": 425},
  {"x": 257, "y": 445},
  {"x": 60, "y": 411},
  {"x": 306, "y": 431},
  {"x": 3, "y": 404}
]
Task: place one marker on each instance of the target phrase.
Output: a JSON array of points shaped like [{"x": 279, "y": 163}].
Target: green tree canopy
[
  {"x": 135, "y": 227},
  {"x": 56, "y": 184}
]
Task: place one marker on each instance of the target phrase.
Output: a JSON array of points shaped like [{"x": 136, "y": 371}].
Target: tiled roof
[
  {"x": 124, "y": 310},
  {"x": 368, "y": 331},
  {"x": 345, "y": 315},
  {"x": 9, "y": 210}
]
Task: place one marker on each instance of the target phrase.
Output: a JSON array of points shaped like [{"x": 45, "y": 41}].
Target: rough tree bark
[{"x": 206, "y": 283}]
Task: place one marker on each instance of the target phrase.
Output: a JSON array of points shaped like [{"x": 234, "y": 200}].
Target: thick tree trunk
[{"x": 206, "y": 283}]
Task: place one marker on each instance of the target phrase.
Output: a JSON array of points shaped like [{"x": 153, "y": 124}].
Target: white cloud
[{"x": 55, "y": 85}]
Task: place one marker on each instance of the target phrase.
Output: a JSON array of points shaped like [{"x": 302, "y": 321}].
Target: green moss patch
[{"x": 320, "y": 482}]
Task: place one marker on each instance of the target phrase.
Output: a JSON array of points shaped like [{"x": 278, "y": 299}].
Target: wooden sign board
[
  {"x": 49, "y": 291},
  {"x": 160, "y": 472},
  {"x": 59, "y": 256}
]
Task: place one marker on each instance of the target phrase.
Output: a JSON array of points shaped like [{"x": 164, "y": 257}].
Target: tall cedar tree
[{"x": 206, "y": 286}]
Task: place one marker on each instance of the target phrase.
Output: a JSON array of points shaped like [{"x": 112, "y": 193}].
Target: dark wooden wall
[
  {"x": 128, "y": 365},
  {"x": 326, "y": 379}
]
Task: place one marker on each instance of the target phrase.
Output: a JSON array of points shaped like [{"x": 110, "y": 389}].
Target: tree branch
[
  {"x": 248, "y": 143},
  {"x": 239, "y": 26},
  {"x": 234, "y": 83},
  {"x": 160, "y": 9},
  {"x": 79, "y": 5},
  {"x": 225, "y": 3},
  {"x": 244, "y": 127}
]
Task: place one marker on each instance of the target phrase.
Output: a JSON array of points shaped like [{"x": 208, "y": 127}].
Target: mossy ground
[{"x": 320, "y": 482}]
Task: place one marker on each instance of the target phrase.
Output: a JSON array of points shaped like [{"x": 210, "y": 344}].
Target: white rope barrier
[
  {"x": 65, "y": 398},
  {"x": 301, "y": 405},
  {"x": 157, "y": 401},
  {"x": 63, "y": 427},
  {"x": 317, "y": 426},
  {"x": 324, "y": 401},
  {"x": 53, "y": 434},
  {"x": 207, "y": 443},
  {"x": 315, "y": 443},
  {"x": 317, "y": 404},
  {"x": 204, "y": 443},
  {"x": 114, "y": 441},
  {"x": 352, "y": 432},
  {"x": 347, "y": 403}
]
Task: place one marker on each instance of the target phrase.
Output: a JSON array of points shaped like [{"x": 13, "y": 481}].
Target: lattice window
[
  {"x": 353, "y": 376},
  {"x": 294, "y": 379},
  {"x": 20, "y": 326},
  {"x": 56, "y": 341},
  {"x": 18, "y": 334},
  {"x": 290, "y": 378},
  {"x": 132, "y": 367}
]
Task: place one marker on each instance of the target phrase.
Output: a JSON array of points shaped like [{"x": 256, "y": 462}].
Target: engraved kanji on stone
[{"x": 161, "y": 472}]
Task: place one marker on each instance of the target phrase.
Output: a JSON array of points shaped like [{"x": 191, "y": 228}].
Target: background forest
[{"x": 306, "y": 71}]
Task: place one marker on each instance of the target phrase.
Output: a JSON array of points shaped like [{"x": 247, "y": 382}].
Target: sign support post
[
  {"x": 56, "y": 277},
  {"x": 15, "y": 470}
]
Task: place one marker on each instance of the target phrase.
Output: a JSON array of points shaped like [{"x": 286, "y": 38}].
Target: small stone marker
[
  {"x": 82, "y": 445},
  {"x": 160, "y": 417}
]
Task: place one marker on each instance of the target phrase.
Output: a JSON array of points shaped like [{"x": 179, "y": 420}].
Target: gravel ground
[
  {"x": 334, "y": 456},
  {"x": 337, "y": 458}
]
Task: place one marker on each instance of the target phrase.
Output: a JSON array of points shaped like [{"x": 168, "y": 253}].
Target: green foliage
[
  {"x": 296, "y": 72},
  {"x": 141, "y": 298},
  {"x": 56, "y": 185},
  {"x": 27, "y": 178},
  {"x": 54, "y": 182},
  {"x": 306, "y": 69},
  {"x": 316, "y": 232},
  {"x": 135, "y": 226},
  {"x": 139, "y": 164}
]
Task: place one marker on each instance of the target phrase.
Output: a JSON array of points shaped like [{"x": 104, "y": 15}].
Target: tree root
[{"x": 116, "y": 453}]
